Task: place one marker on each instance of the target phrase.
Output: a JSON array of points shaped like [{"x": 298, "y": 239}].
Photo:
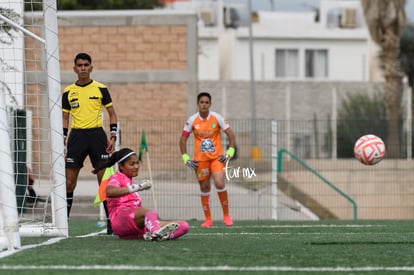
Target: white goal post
[{"x": 48, "y": 217}]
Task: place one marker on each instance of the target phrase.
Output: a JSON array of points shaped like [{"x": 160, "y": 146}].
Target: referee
[{"x": 83, "y": 102}]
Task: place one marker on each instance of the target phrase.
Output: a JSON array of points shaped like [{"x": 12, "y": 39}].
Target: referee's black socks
[{"x": 69, "y": 201}]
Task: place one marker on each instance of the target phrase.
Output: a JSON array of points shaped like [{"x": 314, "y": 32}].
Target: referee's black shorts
[{"x": 85, "y": 142}]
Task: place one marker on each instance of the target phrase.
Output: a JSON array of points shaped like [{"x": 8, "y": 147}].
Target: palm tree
[{"x": 385, "y": 20}]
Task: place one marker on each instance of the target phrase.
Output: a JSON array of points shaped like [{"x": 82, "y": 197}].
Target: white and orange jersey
[{"x": 207, "y": 135}]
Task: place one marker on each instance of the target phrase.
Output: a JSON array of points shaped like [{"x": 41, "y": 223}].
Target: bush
[{"x": 358, "y": 115}]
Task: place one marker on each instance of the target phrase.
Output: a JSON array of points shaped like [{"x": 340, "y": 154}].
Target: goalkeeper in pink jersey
[
  {"x": 209, "y": 157},
  {"x": 129, "y": 219}
]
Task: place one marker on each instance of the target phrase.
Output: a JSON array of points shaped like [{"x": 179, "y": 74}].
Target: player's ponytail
[{"x": 116, "y": 157}]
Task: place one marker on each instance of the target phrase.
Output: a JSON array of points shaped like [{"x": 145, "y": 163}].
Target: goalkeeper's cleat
[
  {"x": 164, "y": 232},
  {"x": 228, "y": 221},
  {"x": 147, "y": 237},
  {"x": 207, "y": 223}
]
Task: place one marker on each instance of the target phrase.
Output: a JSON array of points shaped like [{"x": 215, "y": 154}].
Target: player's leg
[
  {"x": 218, "y": 176},
  {"x": 125, "y": 225},
  {"x": 203, "y": 177},
  {"x": 146, "y": 218},
  {"x": 71, "y": 180},
  {"x": 97, "y": 144},
  {"x": 205, "y": 204},
  {"x": 75, "y": 155},
  {"x": 109, "y": 230}
]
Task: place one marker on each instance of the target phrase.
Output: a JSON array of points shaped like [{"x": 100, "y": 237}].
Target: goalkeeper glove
[
  {"x": 229, "y": 155},
  {"x": 189, "y": 162},
  {"x": 144, "y": 185}
]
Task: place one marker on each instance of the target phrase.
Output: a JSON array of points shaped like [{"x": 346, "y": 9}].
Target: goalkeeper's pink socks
[
  {"x": 151, "y": 221},
  {"x": 182, "y": 229}
]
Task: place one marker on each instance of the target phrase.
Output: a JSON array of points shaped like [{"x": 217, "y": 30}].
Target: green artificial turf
[{"x": 249, "y": 247}]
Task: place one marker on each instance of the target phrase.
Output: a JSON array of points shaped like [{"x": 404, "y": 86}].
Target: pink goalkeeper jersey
[{"x": 115, "y": 205}]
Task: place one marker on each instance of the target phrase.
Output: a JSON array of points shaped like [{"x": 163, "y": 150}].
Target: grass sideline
[{"x": 250, "y": 247}]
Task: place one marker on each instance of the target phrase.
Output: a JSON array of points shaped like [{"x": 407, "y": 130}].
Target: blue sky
[{"x": 302, "y": 5}]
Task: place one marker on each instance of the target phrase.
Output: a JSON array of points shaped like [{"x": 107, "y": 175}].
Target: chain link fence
[{"x": 380, "y": 191}]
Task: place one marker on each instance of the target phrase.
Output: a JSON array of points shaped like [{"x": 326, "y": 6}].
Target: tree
[
  {"x": 385, "y": 20},
  {"x": 360, "y": 114}
]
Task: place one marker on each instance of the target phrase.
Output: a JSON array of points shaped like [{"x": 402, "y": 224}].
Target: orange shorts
[{"x": 205, "y": 168}]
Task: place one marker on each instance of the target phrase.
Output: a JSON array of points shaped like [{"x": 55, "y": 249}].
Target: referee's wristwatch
[{"x": 113, "y": 137}]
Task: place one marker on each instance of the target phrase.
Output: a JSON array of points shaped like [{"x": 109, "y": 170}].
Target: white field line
[
  {"x": 297, "y": 233},
  {"x": 48, "y": 242},
  {"x": 206, "y": 268},
  {"x": 313, "y": 226}
]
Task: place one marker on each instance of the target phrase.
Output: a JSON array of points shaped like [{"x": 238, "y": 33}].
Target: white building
[{"x": 331, "y": 43}]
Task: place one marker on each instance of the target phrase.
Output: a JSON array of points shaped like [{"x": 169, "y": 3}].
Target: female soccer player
[
  {"x": 129, "y": 219},
  {"x": 209, "y": 158}
]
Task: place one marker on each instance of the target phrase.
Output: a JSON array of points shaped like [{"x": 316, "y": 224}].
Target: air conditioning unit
[
  {"x": 349, "y": 18},
  {"x": 208, "y": 17}
]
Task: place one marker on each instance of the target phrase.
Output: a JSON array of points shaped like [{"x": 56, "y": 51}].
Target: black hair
[
  {"x": 114, "y": 158},
  {"x": 200, "y": 95},
  {"x": 84, "y": 56}
]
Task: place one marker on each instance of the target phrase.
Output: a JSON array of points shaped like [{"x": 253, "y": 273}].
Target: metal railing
[{"x": 310, "y": 169}]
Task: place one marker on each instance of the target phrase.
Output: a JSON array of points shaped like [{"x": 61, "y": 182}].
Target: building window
[
  {"x": 316, "y": 63},
  {"x": 287, "y": 63}
]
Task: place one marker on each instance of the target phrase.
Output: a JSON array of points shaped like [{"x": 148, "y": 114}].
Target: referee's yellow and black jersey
[{"x": 84, "y": 103}]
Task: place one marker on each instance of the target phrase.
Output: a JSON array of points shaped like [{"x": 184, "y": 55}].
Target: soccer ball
[{"x": 369, "y": 149}]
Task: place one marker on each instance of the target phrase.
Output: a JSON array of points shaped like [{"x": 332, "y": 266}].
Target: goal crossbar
[{"x": 23, "y": 30}]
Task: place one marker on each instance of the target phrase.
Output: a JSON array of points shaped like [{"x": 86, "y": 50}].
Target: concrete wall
[
  {"x": 147, "y": 59},
  {"x": 284, "y": 100},
  {"x": 383, "y": 191},
  {"x": 141, "y": 58}
]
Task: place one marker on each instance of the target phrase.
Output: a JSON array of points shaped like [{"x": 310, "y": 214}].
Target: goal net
[{"x": 32, "y": 175}]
